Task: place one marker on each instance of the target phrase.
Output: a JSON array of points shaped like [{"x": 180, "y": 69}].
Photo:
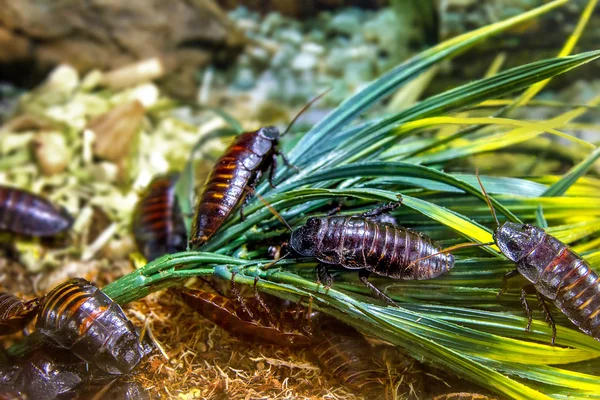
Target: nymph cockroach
[
  {"x": 555, "y": 271},
  {"x": 26, "y": 213},
  {"x": 236, "y": 174},
  {"x": 359, "y": 242},
  {"x": 79, "y": 317},
  {"x": 15, "y": 313},
  {"x": 158, "y": 225},
  {"x": 248, "y": 318}
]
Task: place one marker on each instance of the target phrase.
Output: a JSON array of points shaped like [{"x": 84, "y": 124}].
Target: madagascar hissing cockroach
[
  {"x": 15, "y": 313},
  {"x": 42, "y": 374},
  {"x": 42, "y": 371},
  {"x": 79, "y": 317},
  {"x": 158, "y": 225},
  {"x": 235, "y": 174},
  {"x": 249, "y": 319},
  {"x": 555, "y": 271},
  {"x": 359, "y": 242},
  {"x": 344, "y": 352},
  {"x": 25, "y": 213}
]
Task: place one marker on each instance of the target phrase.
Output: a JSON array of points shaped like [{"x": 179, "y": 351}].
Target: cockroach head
[
  {"x": 304, "y": 239},
  {"x": 517, "y": 240},
  {"x": 121, "y": 354},
  {"x": 269, "y": 132}
]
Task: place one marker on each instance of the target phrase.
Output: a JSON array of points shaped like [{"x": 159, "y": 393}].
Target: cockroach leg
[
  {"x": 260, "y": 300},
  {"x": 249, "y": 193},
  {"x": 382, "y": 209},
  {"x": 337, "y": 208},
  {"x": 363, "y": 275},
  {"x": 323, "y": 276},
  {"x": 286, "y": 161},
  {"x": 547, "y": 316},
  {"x": 272, "y": 169},
  {"x": 505, "y": 278},
  {"x": 527, "y": 309},
  {"x": 239, "y": 296}
]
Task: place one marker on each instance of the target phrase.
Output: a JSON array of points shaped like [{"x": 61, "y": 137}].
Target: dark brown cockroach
[
  {"x": 345, "y": 353},
  {"x": 80, "y": 317},
  {"x": 463, "y": 396},
  {"x": 235, "y": 175},
  {"x": 359, "y": 242},
  {"x": 26, "y": 213},
  {"x": 158, "y": 224},
  {"x": 40, "y": 370},
  {"x": 249, "y": 319},
  {"x": 15, "y": 313},
  {"x": 555, "y": 271},
  {"x": 42, "y": 374}
]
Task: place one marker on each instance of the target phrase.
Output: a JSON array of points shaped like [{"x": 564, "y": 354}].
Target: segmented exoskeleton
[
  {"x": 158, "y": 225},
  {"x": 345, "y": 353},
  {"x": 240, "y": 167},
  {"x": 338, "y": 348},
  {"x": 235, "y": 175},
  {"x": 78, "y": 316},
  {"x": 359, "y": 242},
  {"x": 26, "y": 213},
  {"x": 40, "y": 370},
  {"x": 15, "y": 313},
  {"x": 555, "y": 271},
  {"x": 248, "y": 320},
  {"x": 41, "y": 374}
]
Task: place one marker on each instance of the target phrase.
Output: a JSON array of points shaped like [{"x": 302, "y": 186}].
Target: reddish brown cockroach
[
  {"x": 555, "y": 271},
  {"x": 80, "y": 317},
  {"x": 360, "y": 242},
  {"x": 26, "y": 213},
  {"x": 248, "y": 318},
  {"x": 158, "y": 225},
  {"x": 15, "y": 313},
  {"x": 237, "y": 172},
  {"x": 340, "y": 349}
]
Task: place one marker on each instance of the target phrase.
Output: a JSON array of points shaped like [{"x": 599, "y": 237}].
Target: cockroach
[
  {"x": 15, "y": 313},
  {"x": 25, "y": 213},
  {"x": 158, "y": 224},
  {"x": 41, "y": 374},
  {"x": 463, "y": 396},
  {"x": 249, "y": 319},
  {"x": 40, "y": 370},
  {"x": 555, "y": 271},
  {"x": 360, "y": 242},
  {"x": 80, "y": 317},
  {"x": 344, "y": 352},
  {"x": 235, "y": 174}
]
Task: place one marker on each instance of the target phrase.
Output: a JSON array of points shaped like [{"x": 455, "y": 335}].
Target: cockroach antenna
[
  {"x": 306, "y": 107},
  {"x": 269, "y": 206},
  {"x": 487, "y": 198}
]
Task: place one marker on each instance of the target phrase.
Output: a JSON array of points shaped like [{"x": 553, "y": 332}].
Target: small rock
[
  {"x": 51, "y": 152},
  {"x": 114, "y": 130},
  {"x": 304, "y": 61}
]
